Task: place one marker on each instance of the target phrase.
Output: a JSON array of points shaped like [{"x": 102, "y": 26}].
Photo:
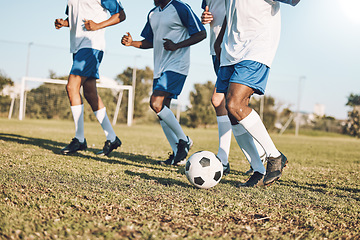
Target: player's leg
[
  {"x": 237, "y": 100},
  {"x": 170, "y": 136},
  {"x": 91, "y": 95},
  {"x": 168, "y": 86},
  {"x": 224, "y": 129},
  {"x": 77, "y": 109},
  {"x": 240, "y": 112}
]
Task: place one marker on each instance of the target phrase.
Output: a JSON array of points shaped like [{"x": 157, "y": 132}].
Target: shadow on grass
[
  {"x": 160, "y": 180},
  {"x": 54, "y": 146},
  {"x": 323, "y": 188}
]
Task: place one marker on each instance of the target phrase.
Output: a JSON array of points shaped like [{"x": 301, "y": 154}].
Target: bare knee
[{"x": 156, "y": 104}]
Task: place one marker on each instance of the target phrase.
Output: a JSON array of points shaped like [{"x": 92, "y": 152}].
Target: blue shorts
[
  {"x": 216, "y": 64},
  {"x": 249, "y": 73},
  {"x": 170, "y": 82},
  {"x": 86, "y": 63}
]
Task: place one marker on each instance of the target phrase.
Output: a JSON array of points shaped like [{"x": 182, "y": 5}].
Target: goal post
[{"x": 119, "y": 88}]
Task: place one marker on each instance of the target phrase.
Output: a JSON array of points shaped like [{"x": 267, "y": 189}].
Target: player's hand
[
  {"x": 206, "y": 16},
  {"x": 90, "y": 25},
  {"x": 126, "y": 40},
  {"x": 59, "y": 23},
  {"x": 169, "y": 45}
]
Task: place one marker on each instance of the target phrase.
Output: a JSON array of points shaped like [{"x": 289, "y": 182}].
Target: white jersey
[
  {"x": 217, "y": 9},
  {"x": 177, "y": 22},
  {"x": 252, "y": 32},
  {"x": 95, "y": 10}
]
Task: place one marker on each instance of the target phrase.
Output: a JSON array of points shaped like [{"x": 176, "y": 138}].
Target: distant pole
[
  {"x": 22, "y": 96},
  {"x": 298, "y": 107},
  {"x": 28, "y": 59},
  {"x": 134, "y": 83},
  {"x": 262, "y": 100}
]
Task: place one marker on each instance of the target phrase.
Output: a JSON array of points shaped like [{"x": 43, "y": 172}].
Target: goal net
[{"x": 49, "y": 100}]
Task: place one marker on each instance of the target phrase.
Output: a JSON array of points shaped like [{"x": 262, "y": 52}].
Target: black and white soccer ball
[{"x": 204, "y": 169}]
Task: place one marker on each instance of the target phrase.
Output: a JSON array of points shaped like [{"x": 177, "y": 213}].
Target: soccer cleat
[
  {"x": 110, "y": 146},
  {"x": 168, "y": 161},
  {"x": 254, "y": 181},
  {"x": 226, "y": 169},
  {"x": 251, "y": 170},
  {"x": 183, "y": 162},
  {"x": 274, "y": 168},
  {"x": 284, "y": 161},
  {"x": 183, "y": 148},
  {"x": 74, "y": 146}
]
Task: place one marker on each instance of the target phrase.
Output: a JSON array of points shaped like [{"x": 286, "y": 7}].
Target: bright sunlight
[{"x": 351, "y": 8}]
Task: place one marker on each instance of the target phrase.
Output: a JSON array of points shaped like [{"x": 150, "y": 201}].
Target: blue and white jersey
[
  {"x": 217, "y": 9},
  {"x": 177, "y": 22},
  {"x": 252, "y": 32},
  {"x": 95, "y": 10}
]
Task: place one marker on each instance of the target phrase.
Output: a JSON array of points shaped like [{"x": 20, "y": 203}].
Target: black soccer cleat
[
  {"x": 274, "y": 169},
  {"x": 74, "y": 146},
  {"x": 226, "y": 169},
  {"x": 110, "y": 146},
  {"x": 183, "y": 148},
  {"x": 168, "y": 161},
  {"x": 254, "y": 181}
]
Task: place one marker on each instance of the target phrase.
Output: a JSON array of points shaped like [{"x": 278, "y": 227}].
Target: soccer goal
[{"x": 117, "y": 90}]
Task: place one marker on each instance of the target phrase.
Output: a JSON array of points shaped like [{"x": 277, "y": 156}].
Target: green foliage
[
  {"x": 45, "y": 195},
  {"x": 4, "y": 80},
  {"x": 353, "y": 100},
  {"x": 352, "y": 126},
  {"x": 201, "y": 112},
  {"x": 143, "y": 89},
  {"x": 269, "y": 114}
]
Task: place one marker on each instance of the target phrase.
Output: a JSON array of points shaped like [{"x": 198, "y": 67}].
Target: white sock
[
  {"x": 78, "y": 116},
  {"x": 103, "y": 119},
  {"x": 253, "y": 124},
  {"x": 170, "y": 135},
  {"x": 169, "y": 118},
  {"x": 247, "y": 146},
  {"x": 224, "y": 129}
]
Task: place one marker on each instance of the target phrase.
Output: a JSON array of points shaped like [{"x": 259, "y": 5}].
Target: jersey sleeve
[
  {"x": 113, "y": 6},
  {"x": 67, "y": 10},
  {"x": 147, "y": 32},
  {"x": 188, "y": 18},
  {"x": 204, "y": 4}
]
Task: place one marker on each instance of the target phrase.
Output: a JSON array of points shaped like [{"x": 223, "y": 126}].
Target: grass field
[{"x": 44, "y": 195}]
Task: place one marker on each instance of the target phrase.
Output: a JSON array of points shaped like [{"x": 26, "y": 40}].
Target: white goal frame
[{"x": 118, "y": 87}]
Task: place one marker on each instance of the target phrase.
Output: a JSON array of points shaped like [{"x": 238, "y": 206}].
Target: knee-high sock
[
  {"x": 253, "y": 124},
  {"x": 169, "y": 118},
  {"x": 103, "y": 119},
  {"x": 247, "y": 146},
  {"x": 170, "y": 135},
  {"x": 224, "y": 129},
  {"x": 78, "y": 116}
]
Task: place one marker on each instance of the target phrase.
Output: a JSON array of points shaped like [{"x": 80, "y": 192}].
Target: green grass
[{"x": 44, "y": 195}]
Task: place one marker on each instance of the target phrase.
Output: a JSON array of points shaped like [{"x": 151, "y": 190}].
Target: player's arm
[
  {"x": 195, "y": 38},
  {"x": 127, "y": 41},
  {"x": 206, "y": 16},
  {"x": 219, "y": 39},
  {"x": 59, "y": 23},
  {"x": 90, "y": 25}
]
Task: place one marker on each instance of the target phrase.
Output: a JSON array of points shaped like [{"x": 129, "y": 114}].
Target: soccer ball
[{"x": 204, "y": 169}]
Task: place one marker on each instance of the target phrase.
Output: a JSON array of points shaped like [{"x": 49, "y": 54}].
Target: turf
[{"x": 45, "y": 195}]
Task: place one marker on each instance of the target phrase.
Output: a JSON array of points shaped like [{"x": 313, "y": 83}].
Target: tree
[
  {"x": 4, "y": 100},
  {"x": 353, "y": 100},
  {"x": 269, "y": 111},
  {"x": 201, "y": 112},
  {"x": 353, "y": 123},
  {"x": 143, "y": 89},
  {"x": 4, "y": 81}
]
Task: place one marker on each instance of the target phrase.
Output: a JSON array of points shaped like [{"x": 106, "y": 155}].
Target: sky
[{"x": 317, "y": 61}]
